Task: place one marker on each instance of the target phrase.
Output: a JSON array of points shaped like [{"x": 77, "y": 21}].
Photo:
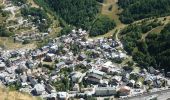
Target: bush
[
  {"x": 26, "y": 42},
  {"x": 4, "y": 32},
  {"x": 66, "y": 30}
]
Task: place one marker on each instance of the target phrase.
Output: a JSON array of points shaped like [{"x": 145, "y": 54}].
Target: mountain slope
[{"x": 138, "y": 9}]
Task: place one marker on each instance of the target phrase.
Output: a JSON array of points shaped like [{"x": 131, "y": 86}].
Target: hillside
[
  {"x": 84, "y": 49},
  {"x": 148, "y": 43},
  {"x": 81, "y": 14},
  {"x": 13, "y": 95},
  {"x": 139, "y": 9}
]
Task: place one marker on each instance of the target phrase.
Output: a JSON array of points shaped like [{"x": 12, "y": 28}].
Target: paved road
[{"x": 161, "y": 95}]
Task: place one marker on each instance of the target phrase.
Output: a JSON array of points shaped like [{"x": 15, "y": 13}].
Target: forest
[
  {"x": 101, "y": 25},
  {"x": 154, "y": 51},
  {"x": 159, "y": 47},
  {"x": 81, "y": 14},
  {"x": 139, "y": 9}
]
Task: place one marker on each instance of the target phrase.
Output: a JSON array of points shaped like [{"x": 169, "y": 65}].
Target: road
[{"x": 161, "y": 95}]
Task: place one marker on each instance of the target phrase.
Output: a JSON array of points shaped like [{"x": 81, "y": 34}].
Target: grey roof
[
  {"x": 94, "y": 76},
  {"x": 104, "y": 91}
]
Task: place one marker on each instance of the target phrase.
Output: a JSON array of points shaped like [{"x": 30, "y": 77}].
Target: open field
[
  {"x": 13, "y": 95},
  {"x": 1, "y": 1},
  {"x": 7, "y": 43},
  {"x": 112, "y": 13},
  {"x": 33, "y": 4}
]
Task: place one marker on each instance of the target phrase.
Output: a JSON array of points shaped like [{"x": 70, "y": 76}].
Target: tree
[
  {"x": 66, "y": 30},
  {"x": 4, "y": 32},
  {"x": 79, "y": 13},
  {"x": 140, "y": 9},
  {"x": 101, "y": 26}
]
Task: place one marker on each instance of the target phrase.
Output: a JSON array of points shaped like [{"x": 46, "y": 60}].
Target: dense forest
[
  {"x": 154, "y": 51},
  {"x": 138, "y": 9},
  {"x": 101, "y": 25},
  {"x": 81, "y": 14},
  {"x": 159, "y": 47}
]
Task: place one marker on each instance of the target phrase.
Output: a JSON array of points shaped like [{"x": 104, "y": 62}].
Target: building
[
  {"x": 124, "y": 91},
  {"x": 76, "y": 87},
  {"x": 49, "y": 57},
  {"x": 32, "y": 81},
  {"x": 62, "y": 95},
  {"x": 76, "y": 76},
  {"x": 49, "y": 88},
  {"x": 105, "y": 91},
  {"x": 2, "y": 66},
  {"x": 94, "y": 78},
  {"x": 39, "y": 89}
]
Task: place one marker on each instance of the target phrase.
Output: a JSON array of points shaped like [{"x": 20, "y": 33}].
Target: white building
[
  {"x": 39, "y": 88},
  {"x": 62, "y": 95}
]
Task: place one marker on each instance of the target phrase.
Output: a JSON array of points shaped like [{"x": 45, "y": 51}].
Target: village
[
  {"x": 25, "y": 28},
  {"x": 74, "y": 66}
]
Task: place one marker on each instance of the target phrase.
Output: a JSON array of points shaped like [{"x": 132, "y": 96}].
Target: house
[
  {"x": 52, "y": 96},
  {"x": 39, "y": 89},
  {"x": 148, "y": 80},
  {"x": 14, "y": 54},
  {"x": 9, "y": 80},
  {"x": 151, "y": 70},
  {"x": 60, "y": 64},
  {"x": 131, "y": 83},
  {"x": 106, "y": 66},
  {"x": 81, "y": 57},
  {"x": 24, "y": 84},
  {"x": 105, "y": 91},
  {"x": 62, "y": 95},
  {"x": 49, "y": 57},
  {"x": 138, "y": 84},
  {"x": 105, "y": 46},
  {"x": 157, "y": 83},
  {"x": 53, "y": 49},
  {"x": 93, "y": 78},
  {"x": 49, "y": 88},
  {"x": 3, "y": 75},
  {"x": 45, "y": 77},
  {"x": 96, "y": 72},
  {"x": 168, "y": 74},
  {"x": 38, "y": 54},
  {"x": 76, "y": 87},
  {"x": 29, "y": 64},
  {"x": 122, "y": 55},
  {"x": 116, "y": 80},
  {"x": 75, "y": 76},
  {"x": 23, "y": 78},
  {"x": 2, "y": 66},
  {"x": 32, "y": 81},
  {"x": 124, "y": 91}
]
